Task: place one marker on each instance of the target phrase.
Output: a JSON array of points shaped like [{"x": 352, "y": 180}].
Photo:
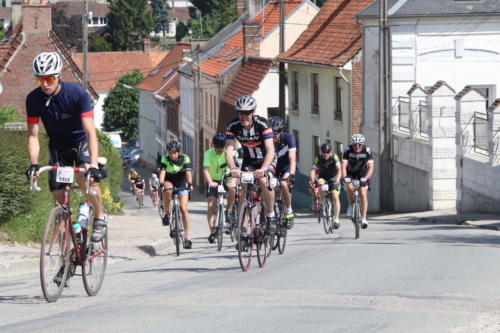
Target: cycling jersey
[
  {"x": 154, "y": 182},
  {"x": 175, "y": 170},
  {"x": 139, "y": 184},
  {"x": 252, "y": 141},
  {"x": 357, "y": 165},
  {"x": 133, "y": 174},
  {"x": 214, "y": 161},
  {"x": 286, "y": 144},
  {"x": 62, "y": 118},
  {"x": 327, "y": 167}
]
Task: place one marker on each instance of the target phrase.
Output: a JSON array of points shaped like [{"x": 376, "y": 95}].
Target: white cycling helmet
[
  {"x": 154, "y": 175},
  {"x": 245, "y": 103},
  {"x": 357, "y": 138},
  {"x": 46, "y": 64}
]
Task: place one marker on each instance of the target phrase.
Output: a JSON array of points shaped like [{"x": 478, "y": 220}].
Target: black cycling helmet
[
  {"x": 174, "y": 145},
  {"x": 138, "y": 177},
  {"x": 326, "y": 147},
  {"x": 277, "y": 123},
  {"x": 219, "y": 139},
  {"x": 240, "y": 152}
]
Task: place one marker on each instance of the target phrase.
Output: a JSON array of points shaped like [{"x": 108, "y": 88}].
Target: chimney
[
  {"x": 255, "y": 6},
  {"x": 195, "y": 42},
  {"x": 16, "y": 13},
  {"x": 146, "y": 45},
  {"x": 186, "y": 53},
  {"x": 241, "y": 7},
  {"x": 36, "y": 19},
  {"x": 251, "y": 38},
  {"x": 72, "y": 52}
]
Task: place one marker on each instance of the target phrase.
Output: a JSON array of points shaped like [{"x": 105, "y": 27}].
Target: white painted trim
[{"x": 396, "y": 7}]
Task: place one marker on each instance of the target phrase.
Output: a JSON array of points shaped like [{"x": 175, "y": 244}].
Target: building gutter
[
  {"x": 306, "y": 63},
  {"x": 419, "y": 16}
]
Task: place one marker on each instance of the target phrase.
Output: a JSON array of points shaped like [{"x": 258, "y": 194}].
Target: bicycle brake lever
[
  {"x": 33, "y": 185},
  {"x": 89, "y": 190}
]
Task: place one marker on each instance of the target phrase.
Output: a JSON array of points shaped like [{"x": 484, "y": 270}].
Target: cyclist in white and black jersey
[{"x": 256, "y": 137}]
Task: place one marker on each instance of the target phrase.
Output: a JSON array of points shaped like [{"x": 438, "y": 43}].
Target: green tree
[
  {"x": 68, "y": 28},
  {"x": 121, "y": 107},
  {"x": 99, "y": 44},
  {"x": 9, "y": 114},
  {"x": 128, "y": 23},
  {"x": 181, "y": 31},
  {"x": 221, "y": 13},
  {"x": 160, "y": 14}
]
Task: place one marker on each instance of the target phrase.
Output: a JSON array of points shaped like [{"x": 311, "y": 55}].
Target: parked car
[
  {"x": 132, "y": 157},
  {"x": 124, "y": 151}
]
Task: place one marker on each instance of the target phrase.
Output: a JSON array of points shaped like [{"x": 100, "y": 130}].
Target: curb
[
  {"x": 157, "y": 247},
  {"x": 457, "y": 221},
  {"x": 19, "y": 267}
]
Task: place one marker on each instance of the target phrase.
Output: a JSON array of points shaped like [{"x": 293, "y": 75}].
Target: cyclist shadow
[
  {"x": 192, "y": 269},
  {"x": 24, "y": 299}
]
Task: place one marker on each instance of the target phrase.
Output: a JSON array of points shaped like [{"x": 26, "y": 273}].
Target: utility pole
[
  {"x": 385, "y": 170},
  {"x": 282, "y": 112},
  {"x": 201, "y": 121},
  {"x": 85, "y": 42}
]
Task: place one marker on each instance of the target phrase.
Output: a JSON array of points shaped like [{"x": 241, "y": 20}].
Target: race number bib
[
  {"x": 324, "y": 187},
  {"x": 220, "y": 189},
  {"x": 65, "y": 175},
  {"x": 274, "y": 182},
  {"x": 247, "y": 178}
]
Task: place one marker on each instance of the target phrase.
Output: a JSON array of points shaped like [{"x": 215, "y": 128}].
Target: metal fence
[
  {"x": 422, "y": 116},
  {"x": 404, "y": 113},
  {"x": 481, "y": 133}
]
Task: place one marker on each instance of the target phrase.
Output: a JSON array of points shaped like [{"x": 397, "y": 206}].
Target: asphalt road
[{"x": 398, "y": 277}]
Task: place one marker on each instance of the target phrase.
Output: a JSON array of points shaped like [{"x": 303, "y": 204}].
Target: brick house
[
  {"x": 324, "y": 80},
  {"x": 31, "y": 34}
]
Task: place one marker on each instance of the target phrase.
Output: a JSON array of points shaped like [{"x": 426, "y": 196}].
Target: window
[
  {"x": 314, "y": 94},
  {"x": 339, "y": 149},
  {"x": 271, "y": 112},
  {"x": 296, "y": 135},
  {"x": 295, "y": 91},
  {"x": 315, "y": 145},
  {"x": 338, "y": 98}
]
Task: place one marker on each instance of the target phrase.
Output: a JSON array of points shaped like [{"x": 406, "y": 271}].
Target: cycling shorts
[
  {"x": 212, "y": 191},
  {"x": 255, "y": 164},
  {"x": 358, "y": 176},
  {"x": 331, "y": 188},
  {"x": 181, "y": 184},
  {"x": 283, "y": 171},
  {"x": 67, "y": 157}
]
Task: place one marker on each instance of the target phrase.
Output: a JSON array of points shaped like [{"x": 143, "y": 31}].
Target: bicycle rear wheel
[
  {"x": 54, "y": 255},
  {"x": 219, "y": 219},
  {"x": 235, "y": 221},
  {"x": 327, "y": 216},
  {"x": 245, "y": 244},
  {"x": 356, "y": 216},
  {"x": 262, "y": 243},
  {"x": 94, "y": 268}
]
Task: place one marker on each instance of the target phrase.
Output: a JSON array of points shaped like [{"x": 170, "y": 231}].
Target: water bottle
[
  {"x": 83, "y": 214},
  {"x": 78, "y": 232}
]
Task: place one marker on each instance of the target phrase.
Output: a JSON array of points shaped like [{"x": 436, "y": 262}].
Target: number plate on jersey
[
  {"x": 65, "y": 175},
  {"x": 220, "y": 189},
  {"x": 324, "y": 187},
  {"x": 247, "y": 178}
]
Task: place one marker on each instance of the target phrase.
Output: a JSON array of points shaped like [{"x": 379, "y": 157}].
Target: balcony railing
[
  {"x": 403, "y": 113},
  {"x": 422, "y": 116}
]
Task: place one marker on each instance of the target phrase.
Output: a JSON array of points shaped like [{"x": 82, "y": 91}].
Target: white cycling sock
[
  {"x": 288, "y": 210},
  {"x": 270, "y": 214}
]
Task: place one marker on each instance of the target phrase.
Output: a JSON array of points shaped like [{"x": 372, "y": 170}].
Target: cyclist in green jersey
[
  {"x": 328, "y": 164},
  {"x": 175, "y": 171},
  {"x": 214, "y": 163}
]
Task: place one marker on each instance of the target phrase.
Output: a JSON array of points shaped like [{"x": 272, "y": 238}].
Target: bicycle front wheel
[
  {"x": 161, "y": 208},
  {"x": 262, "y": 241},
  {"x": 54, "y": 255},
  {"x": 318, "y": 208},
  {"x": 175, "y": 223},
  {"x": 356, "y": 216},
  {"x": 327, "y": 216},
  {"x": 94, "y": 267},
  {"x": 245, "y": 244},
  {"x": 140, "y": 201},
  {"x": 281, "y": 235},
  {"x": 219, "y": 219}
]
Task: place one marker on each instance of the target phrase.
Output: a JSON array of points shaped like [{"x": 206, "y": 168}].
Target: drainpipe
[{"x": 349, "y": 100}]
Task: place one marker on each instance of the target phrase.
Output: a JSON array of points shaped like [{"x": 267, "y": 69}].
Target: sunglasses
[
  {"x": 244, "y": 113},
  {"x": 276, "y": 133},
  {"x": 325, "y": 152},
  {"x": 45, "y": 79},
  {"x": 357, "y": 145},
  {"x": 219, "y": 147}
]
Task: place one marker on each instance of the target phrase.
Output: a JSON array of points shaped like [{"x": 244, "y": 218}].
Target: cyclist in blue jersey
[
  {"x": 68, "y": 118},
  {"x": 286, "y": 149},
  {"x": 256, "y": 137}
]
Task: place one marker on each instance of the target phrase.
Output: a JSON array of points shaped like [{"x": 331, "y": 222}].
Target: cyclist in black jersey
[
  {"x": 357, "y": 162},
  {"x": 256, "y": 137}
]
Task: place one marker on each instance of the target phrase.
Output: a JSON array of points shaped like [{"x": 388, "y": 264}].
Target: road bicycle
[
  {"x": 235, "y": 214},
  {"x": 253, "y": 219},
  {"x": 161, "y": 205},
  {"x": 60, "y": 252},
  {"x": 279, "y": 240},
  {"x": 219, "y": 212},
  {"x": 327, "y": 213},
  {"x": 356, "y": 204},
  {"x": 154, "y": 196},
  {"x": 140, "y": 197},
  {"x": 176, "y": 227},
  {"x": 317, "y": 201}
]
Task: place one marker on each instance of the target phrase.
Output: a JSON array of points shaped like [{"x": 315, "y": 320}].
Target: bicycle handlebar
[{"x": 34, "y": 186}]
